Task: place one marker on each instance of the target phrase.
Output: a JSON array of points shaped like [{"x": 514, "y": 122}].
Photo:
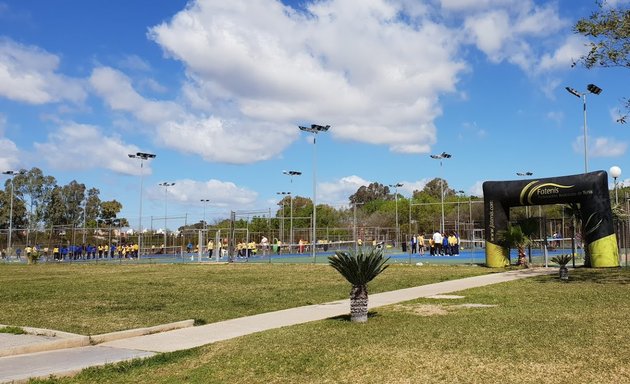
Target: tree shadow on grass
[
  {"x": 620, "y": 276},
  {"x": 371, "y": 314}
]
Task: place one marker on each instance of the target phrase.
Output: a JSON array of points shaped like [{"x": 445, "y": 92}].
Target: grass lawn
[
  {"x": 93, "y": 299},
  {"x": 538, "y": 330}
]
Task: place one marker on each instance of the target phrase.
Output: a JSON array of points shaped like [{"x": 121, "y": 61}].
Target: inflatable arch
[{"x": 589, "y": 190}]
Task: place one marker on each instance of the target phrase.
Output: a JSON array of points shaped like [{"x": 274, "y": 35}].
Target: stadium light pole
[
  {"x": 594, "y": 89},
  {"x": 441, "y": 157},
  {"x": 165, "y": 185},
  {"x": 525, "y": 174},
  {"x": 291, "y": 174},
  {"x": 314, "y": 129},
  {"x": 142, "y": 156},
  {"x": 205, "y": 202},
  {"x": 291, "y": 210},
  {"x": 615, "y": 172},
  {"x": 11, "y": 175},
  {"x": 396, "y": 186},
  {"x": 459, "y": 194}
]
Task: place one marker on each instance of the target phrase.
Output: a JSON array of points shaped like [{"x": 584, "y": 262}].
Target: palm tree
[
  {"x": 359, "y": 269},
  {"x": 530, "y": 227},
  {"x": 573, "y": 210},
  {"x": 514, "y": 237}
]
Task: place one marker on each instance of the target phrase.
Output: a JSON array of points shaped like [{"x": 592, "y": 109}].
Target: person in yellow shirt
[{"x": 210, "y": 248}]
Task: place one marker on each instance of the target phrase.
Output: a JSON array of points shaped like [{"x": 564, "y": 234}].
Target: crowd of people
[
  {"x": 77, "y": 252},
  {"x": 438, "y": 244}
]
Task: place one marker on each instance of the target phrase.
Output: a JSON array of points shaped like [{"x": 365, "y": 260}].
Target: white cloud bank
[{"x": 29, "y": 74}]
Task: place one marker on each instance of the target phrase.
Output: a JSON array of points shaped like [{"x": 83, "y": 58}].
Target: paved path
[{"x": 69, "y": 361}]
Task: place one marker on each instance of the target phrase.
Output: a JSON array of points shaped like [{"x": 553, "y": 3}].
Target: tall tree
[
  {"x": 374, "y": 191},
  {"x": 92, "y": 207},
  {"x": 35, "y": 188},
  {"x": 608, "y": 29},
  {"x": 110, "y": 209},
  {"x": 434, "y": 188}
]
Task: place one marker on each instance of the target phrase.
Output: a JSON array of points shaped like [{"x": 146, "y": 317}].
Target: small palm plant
[
  {"x": 359, "y": 269},
  {"x": 562, "y": 261},
  {"x": 514, "y": 237}
]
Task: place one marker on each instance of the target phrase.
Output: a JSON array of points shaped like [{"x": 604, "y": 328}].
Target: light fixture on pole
[
  {"x": 314, "y": 129},
  {"x": 523, "y": 174},
  {"x": 458, "y": 193},
  {"x": 11, "y": 174},
  {"x": 441, "y": 157},
  {"x": 615, "y": 172},
  {"x": 291, "y": 174},
  {"x": 204, "y": 201},
  {"x": 396, "y": 186},
  {"x": 165, "y": 185},
  {"x": 142, "y": 156},
  {"x": 282, "y": 222},
  {"x": 594, "y": 89}
]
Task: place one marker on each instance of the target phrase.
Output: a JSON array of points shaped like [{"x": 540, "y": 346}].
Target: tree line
[{"x": 38, "y": 201}]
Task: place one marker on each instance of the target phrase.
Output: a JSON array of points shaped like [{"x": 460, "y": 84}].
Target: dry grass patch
[{"x": 436, "y": 309}]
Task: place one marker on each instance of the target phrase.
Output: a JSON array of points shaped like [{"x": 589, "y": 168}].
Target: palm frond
[
  {"x": 562, "y": 260},
  {"x": 361, "y": 268}
]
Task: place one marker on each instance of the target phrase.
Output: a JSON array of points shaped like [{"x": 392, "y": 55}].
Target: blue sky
[{"x": 217, "y": 89}]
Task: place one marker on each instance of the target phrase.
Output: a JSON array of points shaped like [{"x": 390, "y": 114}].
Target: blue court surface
[{"x": 476, "y": 256}]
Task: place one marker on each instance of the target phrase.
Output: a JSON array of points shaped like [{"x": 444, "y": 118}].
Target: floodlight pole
[
  {"x": 440, "y": 157},
  {"x": 396, "y": 186},
  {"x": 314, "y": 129},
  {"x": 523, "y": 174},
  {"x": 592, "y": 88},
  {"x": 142, "y": 156},
  {"x": 291, "y": 174},
  {"x": 165, "y": 185}
]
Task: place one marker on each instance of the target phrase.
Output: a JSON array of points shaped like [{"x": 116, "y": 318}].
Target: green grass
[
  {"x": 13, "y": 330},
  {"x": 94, "y": 299},
  {"x": 540, "y": 331}
]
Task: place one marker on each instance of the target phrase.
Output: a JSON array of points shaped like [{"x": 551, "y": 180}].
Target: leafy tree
[
  {"x": 34, "y": 188},
  {"x": 608, "y": 28},
  {"x": 92, "y": 207},
  {"x": 374, "y": 191},
  {"x": 110, "y": 209},
  {"x": 433, "y": 188},
  {"x": 19, "y": 209}
]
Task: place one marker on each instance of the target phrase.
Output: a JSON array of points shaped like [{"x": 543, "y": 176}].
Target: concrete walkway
[{"x": 65, "y": 362}]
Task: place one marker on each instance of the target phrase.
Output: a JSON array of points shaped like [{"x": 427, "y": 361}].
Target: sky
[{"x": 217, "y": 89}]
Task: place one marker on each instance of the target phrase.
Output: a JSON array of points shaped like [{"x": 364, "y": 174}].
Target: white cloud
[
  {"x": 339, "y": 191},
  {"x": 9, "y": 153},
  {"x": 220, "y": 193},
  {"x": 135, "y": 62},
  {"x": 375, "y": 81},
  {"x": 555, "y": 116},
  {"x": 476, "y": 189},
  {"x": 236, "y": 141},
  {"x": 29, "y": 74},
  {"x": 118, "y": 92},
  {"x": 565, "y": 55},
  {"x": 615, "y": 3},
  {"x": 73, "y": 147},
  {"x": 510, "y": 30},
  {"x": 601, "y": 146}
]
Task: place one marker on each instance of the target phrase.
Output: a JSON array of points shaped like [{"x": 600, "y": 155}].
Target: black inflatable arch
[{"x": 589, "y": 190}]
